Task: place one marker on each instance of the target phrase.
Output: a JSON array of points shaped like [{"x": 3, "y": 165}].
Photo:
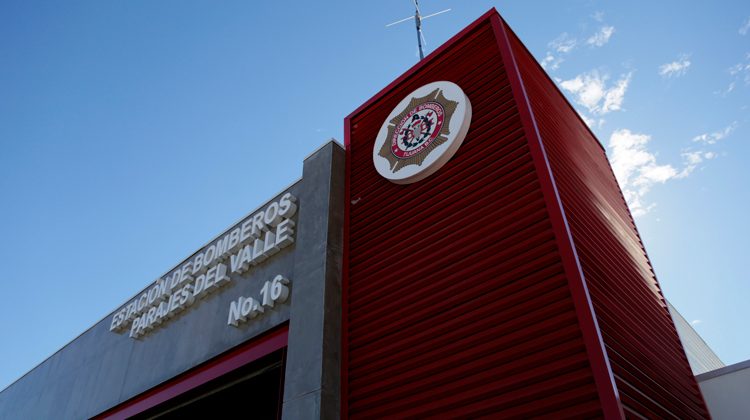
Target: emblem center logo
[
  {"x": 422, "y": 132},
  {"x": 417, "y": 130}
]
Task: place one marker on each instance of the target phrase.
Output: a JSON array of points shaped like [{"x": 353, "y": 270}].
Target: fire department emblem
[{"x": 422, "y": 132}]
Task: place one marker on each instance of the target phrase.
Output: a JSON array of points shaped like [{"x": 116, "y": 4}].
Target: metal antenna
[
  {"x": 418, "y": 18},
  {"x": 418, "y": 21}
]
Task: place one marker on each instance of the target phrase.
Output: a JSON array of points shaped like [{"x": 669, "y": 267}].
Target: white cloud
[
  {"x": 551, "y": 62},
  {"x": 564, "y": 43},
  {"x": 560, "y": 46},
  {"x": 589, "y": 121},
  {"x": 614, "y": 96},
  {"x": 741, "y": 70},
  {"x": 591, "y": 90},
  {"x": 728, "y": 90},
  {"x": 675, "y": 68},
  {"x": 745, "y": 28},
  {"x": 739, "y": 73},
  {"x": 695, "y": 322},
  {"x": 692, "y": 159},
  {"x": 637, "y": 170},
  {"x": 712, "y": 138},
  {"x": 602, "y": 37}
]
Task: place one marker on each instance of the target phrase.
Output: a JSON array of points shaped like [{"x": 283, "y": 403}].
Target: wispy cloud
[
  {"x": 559, "y": 47},
  {"x": 590, "y": 121},
  {"x": 692, "y": 159},
  {"x": 712, "y": 138},
  {"x": 564, "y": 43},
  {"x": 745, "y": 28},
  {"x": 695, "y": 322},
  {"x": 740, "y": 74},
  {"x": 741, "y": 70},
  {"x": 675, "y": 68},
  {"x": 592, "y": 91},
  {"x": 729, "y": 89},
  {"x": 551, "y": 62},
  {"x": 637, "y": 169},
  {"x": 602, "y": 37}
]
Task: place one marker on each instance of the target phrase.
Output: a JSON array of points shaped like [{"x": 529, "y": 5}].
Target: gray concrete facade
[
  {"x": 101, "y": 369},
  {"x": 311, "y": 387}
]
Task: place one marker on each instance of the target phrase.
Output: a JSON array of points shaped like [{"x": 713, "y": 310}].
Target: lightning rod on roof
[{"x": 418, "y": 18}]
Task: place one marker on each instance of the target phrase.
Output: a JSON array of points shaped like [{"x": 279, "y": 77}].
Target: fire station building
[{"x": 467, "y": 253}]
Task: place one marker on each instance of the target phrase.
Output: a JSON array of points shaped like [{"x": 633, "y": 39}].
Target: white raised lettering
[
  {"x": 287, "y": 208},
  {"x": 258, "y": 225},
  {"x": 272, "y": 214},
  {"x": 269, "y": 245},
  {"x": 246, "y": 230},
  {"x": 284, "y": 233},
  {"x": 258, "y": 251}
]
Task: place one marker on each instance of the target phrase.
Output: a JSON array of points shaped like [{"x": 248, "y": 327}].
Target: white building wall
[{"x": 727, "y": 391}]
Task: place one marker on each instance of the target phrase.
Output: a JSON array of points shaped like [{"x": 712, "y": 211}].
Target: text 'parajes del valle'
[{"x": 252, "y": 241}]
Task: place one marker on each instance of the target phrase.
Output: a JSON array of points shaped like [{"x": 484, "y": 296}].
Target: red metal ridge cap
[
  {"x": 544, "y": 72},
  {"x": 609, "y": 395},
  {"x": 415, "y": 68}
]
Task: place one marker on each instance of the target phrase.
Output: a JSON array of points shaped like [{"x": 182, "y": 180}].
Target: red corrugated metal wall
[
  {"x": 649, "y": 364},
  {"x": 456, "y": 299}
]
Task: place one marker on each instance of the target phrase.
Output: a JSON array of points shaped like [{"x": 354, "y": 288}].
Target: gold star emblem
[{"x": 387, "y": 150}]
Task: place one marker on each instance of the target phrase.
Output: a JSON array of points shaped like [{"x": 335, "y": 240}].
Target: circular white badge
[{"x": 422, "y": 133}]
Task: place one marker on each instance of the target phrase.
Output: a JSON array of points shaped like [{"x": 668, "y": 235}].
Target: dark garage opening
[{"x": 253, "y": 391}]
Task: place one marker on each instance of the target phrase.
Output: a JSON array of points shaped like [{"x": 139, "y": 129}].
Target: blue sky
[{"x": 133, "y": 132}]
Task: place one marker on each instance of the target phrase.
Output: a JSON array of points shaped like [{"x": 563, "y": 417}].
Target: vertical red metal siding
[
  {"x": 456, "y": 300},
  {"x": 649, "y": 364}
]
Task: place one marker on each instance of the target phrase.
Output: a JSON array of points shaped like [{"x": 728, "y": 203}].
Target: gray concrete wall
[
  {"x": 101, "y": 369},
  {"x": 311, "y": 388},
  {"x": 727, "y": 391}
]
